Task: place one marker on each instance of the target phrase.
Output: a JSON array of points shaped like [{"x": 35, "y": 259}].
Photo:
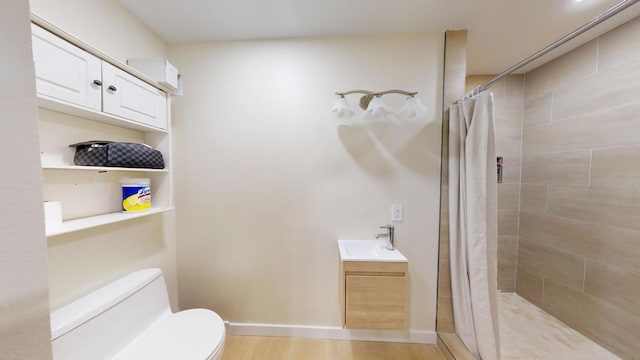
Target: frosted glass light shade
[
  {"x": 412, "y": 109},
  {"x": 341, "y": 108},
  {"x": 377, "y": 109}
]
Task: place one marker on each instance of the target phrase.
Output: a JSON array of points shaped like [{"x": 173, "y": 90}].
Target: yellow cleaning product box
[{"x": 136, "y": 194}]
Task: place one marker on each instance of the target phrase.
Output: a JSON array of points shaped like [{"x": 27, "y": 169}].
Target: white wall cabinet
[
  {"x": 83, "y": 96},
  {"x": 67, "y": 73},
  {"x": 127, "y": 96}
]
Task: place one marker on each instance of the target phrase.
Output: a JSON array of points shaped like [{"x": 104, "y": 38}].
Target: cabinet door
[
  {"x": 375, "y": 302},
  {"x": 64, "y": 71},
  {"x": 131, "y": 98}
]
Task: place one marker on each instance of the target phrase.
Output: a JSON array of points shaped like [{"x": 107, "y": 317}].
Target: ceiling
[{"x": 500, "y": 32}]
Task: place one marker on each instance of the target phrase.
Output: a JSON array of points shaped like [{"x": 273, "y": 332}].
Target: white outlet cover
[{"x": 397, "y": 212}]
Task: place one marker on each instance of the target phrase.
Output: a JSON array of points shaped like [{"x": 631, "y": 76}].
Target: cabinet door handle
[
  {"x": 97, "y": 82},
  {"x": 112, "y": 88}
]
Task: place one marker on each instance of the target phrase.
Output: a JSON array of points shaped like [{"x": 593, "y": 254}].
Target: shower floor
[{"x": 529, "y": 333}]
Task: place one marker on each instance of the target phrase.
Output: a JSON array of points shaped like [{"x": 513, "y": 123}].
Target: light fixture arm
[
  {"x": 377, "y": 93},
  {"x": 368, "y": 95}
]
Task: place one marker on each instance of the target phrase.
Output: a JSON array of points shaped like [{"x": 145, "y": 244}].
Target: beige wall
[
  {"x": 508, "y": 95},
  {"x": 24, "y": 308},
  {"x": 83, "y": 261},
  {"x": 267, "y": 180},
  {"x": 579, "y": 235},
  {"x": 103, "y": 24}
]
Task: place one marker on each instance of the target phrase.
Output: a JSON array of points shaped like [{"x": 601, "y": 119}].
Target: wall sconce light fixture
[{"x": 375, "y": 108}]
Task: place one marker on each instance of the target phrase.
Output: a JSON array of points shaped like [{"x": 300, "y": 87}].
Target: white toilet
[{"x": 131, "y": 319}]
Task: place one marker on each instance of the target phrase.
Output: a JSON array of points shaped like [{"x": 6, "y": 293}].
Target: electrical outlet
[{"x": 396, "y": 212}]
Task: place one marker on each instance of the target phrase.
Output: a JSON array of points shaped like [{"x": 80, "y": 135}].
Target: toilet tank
[{"x": 98, "y": 325}]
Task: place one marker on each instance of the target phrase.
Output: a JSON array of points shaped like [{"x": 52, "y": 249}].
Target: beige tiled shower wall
[
  {"x": 578, "y": 255},
  {"x": 508, "y": 96}
]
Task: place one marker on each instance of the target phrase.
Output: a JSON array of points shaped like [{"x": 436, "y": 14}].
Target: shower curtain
[{"x": 473, "y": 223}]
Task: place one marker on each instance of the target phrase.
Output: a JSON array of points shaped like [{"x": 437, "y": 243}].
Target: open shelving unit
[
  {"x": 49, "y": 103},
  {"x": 90, "y": 195},
  {"x": 58, "y": 168},
  {"x": 100, "y": 168},
  {"x": 99, "y": 220}
]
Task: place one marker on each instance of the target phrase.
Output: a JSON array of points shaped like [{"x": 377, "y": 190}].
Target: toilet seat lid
[{"x": 194, "y": 334}]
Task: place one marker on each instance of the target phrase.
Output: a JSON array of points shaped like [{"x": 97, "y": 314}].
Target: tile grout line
[
  {"x": 557, "y": 249},
  {"x": 597, "y": 55},
  {"x": 590, "y": 165},
  {"x": 585, "y": 149},
  {"x": 523, "y": 108},
  {"x": 546, "y": 200},
  {"x": 542, "y": 297},
  {"x": 575, "y": 117},
  {"x": 584, "y": 274},
  {"x": 566, "y": 218},
  {"x": 553, "y": 91}
]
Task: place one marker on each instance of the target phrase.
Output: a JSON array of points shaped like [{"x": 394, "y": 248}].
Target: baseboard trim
[{"x": 332, "y": 333}]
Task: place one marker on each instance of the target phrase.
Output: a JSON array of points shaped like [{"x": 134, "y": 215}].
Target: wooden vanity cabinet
[{"x": 373, "y": 295}]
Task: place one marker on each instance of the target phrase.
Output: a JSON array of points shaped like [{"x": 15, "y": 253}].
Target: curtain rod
[{"x": 554, "y": 45}]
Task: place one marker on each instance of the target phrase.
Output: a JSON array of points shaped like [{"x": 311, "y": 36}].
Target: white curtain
[{"x": 473, "y": 225}]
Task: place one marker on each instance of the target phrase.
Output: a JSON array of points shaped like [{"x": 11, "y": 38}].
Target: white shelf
[
  {"x": 100, "y": 168},
  {"x": 99, "y": 220},
  {"x": 64, "y": 107}
]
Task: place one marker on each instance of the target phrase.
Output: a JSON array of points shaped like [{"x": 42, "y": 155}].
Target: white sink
[{"x": 368, "y": 250}]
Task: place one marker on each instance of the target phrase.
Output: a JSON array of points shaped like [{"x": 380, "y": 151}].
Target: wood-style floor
[{"x": 282, "y": 348}]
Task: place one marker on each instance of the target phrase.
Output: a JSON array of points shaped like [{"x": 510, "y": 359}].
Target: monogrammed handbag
[{"x": 117, "y": 154}]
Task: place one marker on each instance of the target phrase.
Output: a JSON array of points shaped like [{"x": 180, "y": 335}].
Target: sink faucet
[{"x": 388, "y": 235}]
